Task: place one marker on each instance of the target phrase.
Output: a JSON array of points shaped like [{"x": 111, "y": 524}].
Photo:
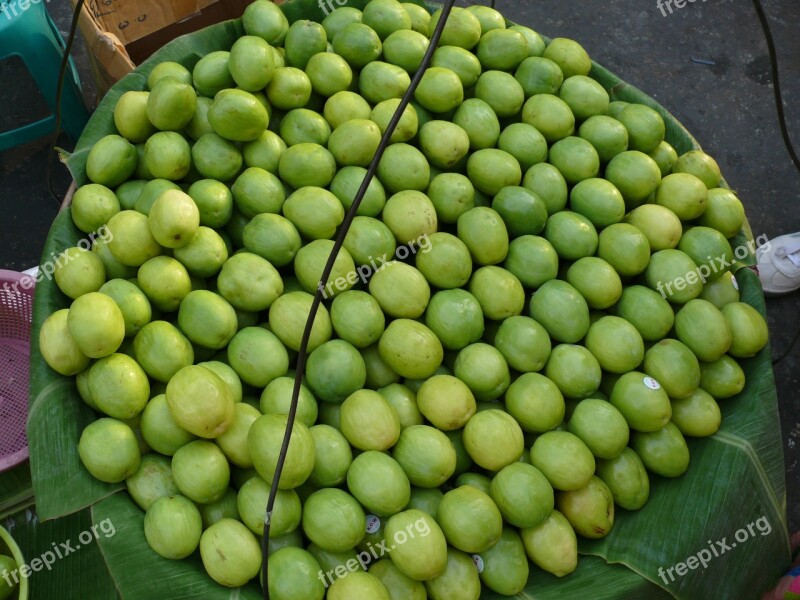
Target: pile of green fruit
[{"x": 531, "y": 310}]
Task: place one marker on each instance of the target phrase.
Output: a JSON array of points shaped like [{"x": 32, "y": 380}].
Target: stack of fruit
[{"x": 531, "y": 310}]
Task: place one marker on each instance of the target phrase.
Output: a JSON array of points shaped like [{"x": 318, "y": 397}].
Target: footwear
[{"x": 779, "y": 265}]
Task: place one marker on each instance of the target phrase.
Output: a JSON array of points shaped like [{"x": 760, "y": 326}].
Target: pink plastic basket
[{"x": 16, "y": 307}]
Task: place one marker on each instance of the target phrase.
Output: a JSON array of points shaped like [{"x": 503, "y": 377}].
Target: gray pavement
[{"x": 728, "y": 106}]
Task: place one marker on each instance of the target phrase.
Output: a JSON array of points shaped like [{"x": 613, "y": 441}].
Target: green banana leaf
[
  {"x": 735, "y": 480},
  {"x": 67, "y": 568},
  {"x": 128, "y": 557},
  {"x": 16, "y": 489}
]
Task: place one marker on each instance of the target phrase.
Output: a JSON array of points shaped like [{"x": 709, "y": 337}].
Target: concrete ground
[{"x": 728, "y": 106}]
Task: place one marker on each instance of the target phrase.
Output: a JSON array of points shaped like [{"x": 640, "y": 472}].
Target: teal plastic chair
[{"x": 32, "y": 35}]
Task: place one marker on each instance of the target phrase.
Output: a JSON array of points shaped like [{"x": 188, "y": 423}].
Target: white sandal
[{"x": 779, "y": 265}]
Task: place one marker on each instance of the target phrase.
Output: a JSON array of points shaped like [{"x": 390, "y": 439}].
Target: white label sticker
[
  {"x": 652, "y": 383},
  {"x": 373, "y": 523},
  {"x": 478, "y": 562},
  {"x": 735, "y": 283}
]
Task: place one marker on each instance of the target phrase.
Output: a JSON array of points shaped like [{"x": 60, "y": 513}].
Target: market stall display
[{"x": 684, "y": 504}]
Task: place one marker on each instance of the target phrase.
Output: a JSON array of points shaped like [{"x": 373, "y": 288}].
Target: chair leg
[
  {"x": 42, "y": 55},
  {"x": 73, "y": 110},
  {"x": 26, "y": 133}
]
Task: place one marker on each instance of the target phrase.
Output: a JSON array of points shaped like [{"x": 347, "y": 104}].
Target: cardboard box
[{"x": 122, "y": 33}]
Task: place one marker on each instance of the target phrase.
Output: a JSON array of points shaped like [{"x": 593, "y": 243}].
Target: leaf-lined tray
[{"x": 736, "y": 477}]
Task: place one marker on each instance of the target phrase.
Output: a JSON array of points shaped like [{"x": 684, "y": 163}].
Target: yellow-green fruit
[
  {"x": 470, "y": 519},
  {"x": 173, "y": 526},
  {"x": 130, "y": 117},
  {"x": 167, "y": 155},
  {"x": 358, "y": 585},
  {"x": 174, "y": 219},
  {"x": 231, "y": 553},
  {"x": 165, "y": 281},
  {"x": 168, "y": 69},
  {"x": 397, "y": 584},
  {"x": 264, "y": 441},
  {"x": 207, "y": 319},
  {"x": 200, "y": 401},
  {"x": 460, "y": 580},
  {"x": 251, "y": 63},
  {"x": 504, "y": 567},
  {"x": 266, "y": 20},
  {"x": 79, "y": 271},
  {"x": 96, "y": 324},
  {"x": 234, "y": 441},
  {"x": 153, "y": 480},
  {"x": 171, "y": 104},
  {"x": 552, "y": 545},
  {"x": 92, "y": 206},
  {"x": 118, "y": 386},
  {"x": 422, "y": 556},
  {"x": 160, "y": 430},
  {"x": 111, "y": 161},
  {"x": 109, "y": 450},
  {"x": 58, "y": 348},
  {"x": 162, "y": 350},
  {"x": 201, "y": 471},
  {"x": 238, "y": 116}
]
